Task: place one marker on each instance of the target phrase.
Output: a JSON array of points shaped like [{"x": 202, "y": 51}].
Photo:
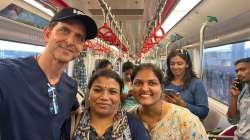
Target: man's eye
[
  {"x": 80, "y": 38},
  {"x": 64, "y": 30}
]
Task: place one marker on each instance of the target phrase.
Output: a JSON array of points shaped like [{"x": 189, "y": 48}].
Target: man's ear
[{"x": 46, "y": 34}]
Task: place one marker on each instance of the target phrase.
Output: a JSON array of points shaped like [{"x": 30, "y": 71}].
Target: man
[
  {"x": 239, "y": 106},
  {"x": 36, "y": 96}
]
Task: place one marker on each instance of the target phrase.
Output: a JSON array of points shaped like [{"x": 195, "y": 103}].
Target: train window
[
  {"x": 13, "y": 49},
  {"x": 219, "y": 69},
  {"x": 19, "y": 14}
]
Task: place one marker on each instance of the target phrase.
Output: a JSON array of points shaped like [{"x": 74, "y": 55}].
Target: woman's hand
[{"x": 175, "y": 99}]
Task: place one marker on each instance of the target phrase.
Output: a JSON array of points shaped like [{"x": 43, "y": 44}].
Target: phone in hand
[
  {"x": 170, "y": 91},
  {"x": 238, "y": 83}
]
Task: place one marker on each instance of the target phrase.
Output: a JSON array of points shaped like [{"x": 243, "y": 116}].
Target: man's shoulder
[
  {"x": 13, "y": 69},
  {"x": 7, "y": 65},
  {"x": 14, "y": 62},
  {"x": 6, "y": 62}
]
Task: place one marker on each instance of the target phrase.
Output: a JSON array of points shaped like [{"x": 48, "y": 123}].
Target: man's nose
[
  {"x": 70, "y": 39},
  {"x": 238, "y": 74}
]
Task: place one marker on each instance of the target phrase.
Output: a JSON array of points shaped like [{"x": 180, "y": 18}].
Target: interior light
[
  {"x": 40, "y": 7},
  {"x": 182, "y": 8},
  {"x": 153, "y": 39},
  {"x": 159, "y": 33}
]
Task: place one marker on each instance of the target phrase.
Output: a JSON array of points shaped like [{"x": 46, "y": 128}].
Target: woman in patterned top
[
  {"x": 103, "y": 118},
  {"x": 164, "y": 121}
]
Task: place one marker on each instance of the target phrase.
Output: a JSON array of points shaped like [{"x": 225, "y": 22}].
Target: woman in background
[
  {"x": 189, "y": 90},
  {"x": 103, "y": 118},
  {"x": 164, "y": 121}
]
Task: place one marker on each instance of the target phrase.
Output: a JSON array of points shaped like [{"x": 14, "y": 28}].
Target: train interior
[{"x": 216, "y": 33}]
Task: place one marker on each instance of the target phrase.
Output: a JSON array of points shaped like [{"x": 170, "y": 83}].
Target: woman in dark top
[
  {"x": 189, "y": 90},
  {"x": 103, "y": 118}
]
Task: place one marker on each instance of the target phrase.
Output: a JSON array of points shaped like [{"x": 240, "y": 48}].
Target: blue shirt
[
  {"x": 24, "y": 101},
  {"x": 195, "y": 96}
]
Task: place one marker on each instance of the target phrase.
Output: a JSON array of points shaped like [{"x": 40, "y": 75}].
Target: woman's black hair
[
  {"x": 189, "y": 73},
  {"x": 106, "y": 73},
  {"x": 156, "y": 70}
]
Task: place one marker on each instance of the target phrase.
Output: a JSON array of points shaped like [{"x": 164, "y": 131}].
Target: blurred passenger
[
  {"x": 164, "y": 121},
  {"x": 36, "y": 95},
  {"x": 189, "y": 90},
  {"x": 239, "y": 105},
  {"x": 127, "y": 97},
  {"x": 104, "y": 64},
  {"x": 103, "y": 118}
]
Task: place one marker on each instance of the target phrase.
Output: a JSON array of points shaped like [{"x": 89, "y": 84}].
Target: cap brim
[{"x": 87, "y": 21}]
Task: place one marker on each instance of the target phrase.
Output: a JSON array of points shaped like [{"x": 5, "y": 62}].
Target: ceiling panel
[
  {"x": 231, "y": 14},
  {"x": 135, "y": 16}
]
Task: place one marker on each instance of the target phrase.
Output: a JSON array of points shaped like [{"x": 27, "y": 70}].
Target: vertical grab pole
[{"x": 202, "y": 31}]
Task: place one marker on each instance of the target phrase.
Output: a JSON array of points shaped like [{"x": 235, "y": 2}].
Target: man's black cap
[{"x": 73, "y": 13}]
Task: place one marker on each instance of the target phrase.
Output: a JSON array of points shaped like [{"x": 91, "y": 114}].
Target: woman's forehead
[
  {"x": 177, "y": 58},
  {"x": 146, "y": 74},
  {"x": 106, "y": 81}
]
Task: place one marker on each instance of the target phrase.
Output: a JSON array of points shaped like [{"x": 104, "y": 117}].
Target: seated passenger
[
  {"x": 103, "y": 117},
  {"x": 127, "y": 98},
  {"x": 190, "y": 90},
  {"x": 164, "y": 121},
  {"x": 239, "y": 105},
  {"x": 104, "y": 64}
]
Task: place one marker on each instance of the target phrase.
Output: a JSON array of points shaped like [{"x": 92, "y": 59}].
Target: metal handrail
[
  {"x": 202, "y": 32},
  {"x": 218, "y": 137}
]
